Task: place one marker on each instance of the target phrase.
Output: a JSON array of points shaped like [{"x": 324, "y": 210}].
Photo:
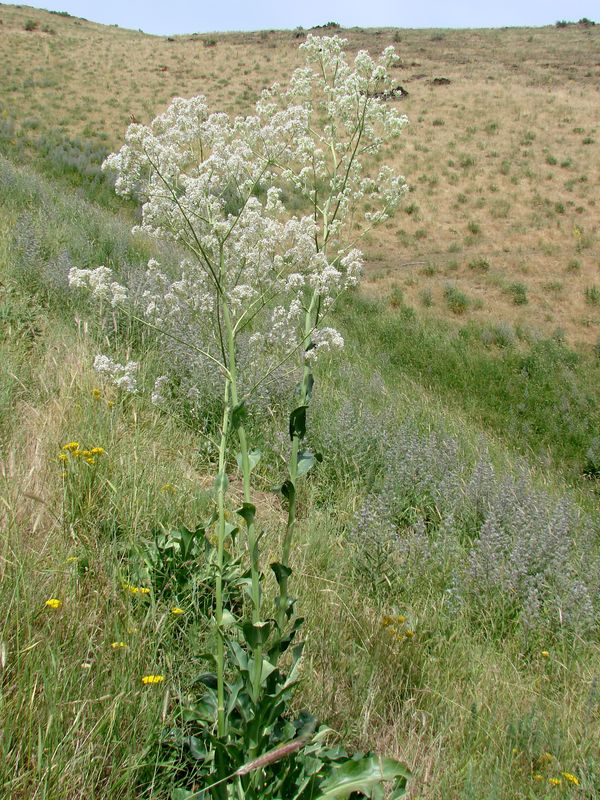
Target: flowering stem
[
  {"x": 293, "y": 471},
  {"x": 221, "y": 488},
  {"x": 250, "y": 526}
]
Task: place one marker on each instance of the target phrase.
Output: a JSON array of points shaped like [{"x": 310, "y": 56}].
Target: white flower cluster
[
  {"x": 224, "y": 188},
  {"x": 324, "y": 340},
  {"x": 99, "y": 282},
  {"x": 157, "y": 397},
  {"x": 121, "y": 374}
]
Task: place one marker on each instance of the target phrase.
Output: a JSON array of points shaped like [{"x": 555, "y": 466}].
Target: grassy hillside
[
  {"x": 503, "y": 162},
  {"x": 448, "y": 564}
]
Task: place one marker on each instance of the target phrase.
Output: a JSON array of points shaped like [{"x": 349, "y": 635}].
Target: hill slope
[{"x": 503, "y": 157}]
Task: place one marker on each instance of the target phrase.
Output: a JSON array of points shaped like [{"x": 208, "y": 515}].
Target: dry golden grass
[{"x": 503, "y": 161}]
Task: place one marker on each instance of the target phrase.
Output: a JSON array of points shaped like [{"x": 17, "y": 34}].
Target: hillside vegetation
[{"x": 448, "y": 565}]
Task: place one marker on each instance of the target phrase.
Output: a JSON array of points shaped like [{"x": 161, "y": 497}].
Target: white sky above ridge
[{"x": 187, "y": 16}]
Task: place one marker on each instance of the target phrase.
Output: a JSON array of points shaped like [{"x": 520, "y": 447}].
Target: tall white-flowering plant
[{"x": 258, "y": 273}]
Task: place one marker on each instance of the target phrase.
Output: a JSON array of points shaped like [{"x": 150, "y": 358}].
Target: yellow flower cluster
[
  {"x": 119, "y": 645},
  {"x": 177, "y": 611},
  {"x": 395, "y": 626},
  {"x": 568, "y": 776},
  {"x": 544, "y": 760},
  {"x": 53, "y": 602},
  {"x": 148, "y": 679},
  {"x": 136, "y": 589},
  {"x": 72, "y": 450}
]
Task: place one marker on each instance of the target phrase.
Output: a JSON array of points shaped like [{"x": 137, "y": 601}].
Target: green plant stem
[
  {"x": 221, "y": 488},
  {"x": 293, "y": 472},
  {"x": 250, "y": 526}
]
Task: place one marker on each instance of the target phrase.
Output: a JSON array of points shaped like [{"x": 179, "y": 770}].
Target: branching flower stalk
[{"x": 356, "y": 124}]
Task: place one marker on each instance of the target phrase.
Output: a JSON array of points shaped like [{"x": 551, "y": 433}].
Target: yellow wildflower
[
  {"x": 96, "y": 394},
  {"x": 168, "y": 487},
  {"x": 554, "y": 781},
  {"x": 76, "y": 453},
  {"x": 71, "y": 560},
  {"x": 71, "y": 446},
  {"x": 386, "y": 621},
  {"x": 537, "y": 776},
  {"x": 91, "y": 460},
  {"x": 568, "y": 776},
  {"x": 85, "y": 453},
  {"x": 53, "y": 602},
  {"x": 147, "y": 679},
  {"x": 177, "y": 611},
  {"x": 136, "y": 589},
  {"x": 118, "y": 645},
  {"x": 545, "y": 654},
  {"x": 545, "y": 758},
  {"x": 110, "y": 403},
  {"x": 63, "y": 457},
  {"x": 97, "y": 451},
  {"x": 409, "y": 634}
]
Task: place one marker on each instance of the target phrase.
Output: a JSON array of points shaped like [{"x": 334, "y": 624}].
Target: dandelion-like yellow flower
[
  {"x": 91, "y": 461},
  {"x": 53, "y": 602},
  {"x": 76, "y": 453},
  {"x": 147, "y": 679},
  {"x": 110, "y": 403},
  {"x": 97, "y": 451},
  {"x": 537, "y": 776},
  {"x": 71, "y": 446},
  {"x": 136, "y": 589},
  {"x": 545, "y": 654},
  {"x": 545, "y": 758},
  {"x": 96, "y": 394},
  {"x": 168, "y": 487},
  {"x": 118, "y": 645},
  {"x": 386, "y": 621},
  {"x": 71, "y": 560},
  {"x": 554, "y": 781},
  {"x": 409, "y": 634},
  {"x": 177, "y": 611},
  {"x": 568, "y": 776},
  {"x": 63, "y": 457}
]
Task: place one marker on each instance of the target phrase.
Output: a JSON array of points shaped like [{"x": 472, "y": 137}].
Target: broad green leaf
[
  {"x": 254, "y": 457},
  {"x": 281, "y": 571},
  {"x": 256, "y": 633},
  {"x": 307, "y": 460},
  {"x": 267, "y": 669},
  {"x": 288, "y": 490},
  {"x": 228, "y": 619},
  {"x": 247, "y": 512},
  {"x": 238, "y": 415},
  {"x": 310, "y": 382},
  {"x": 298, "y": 422},
  {"x": 363, "y": 775}
]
